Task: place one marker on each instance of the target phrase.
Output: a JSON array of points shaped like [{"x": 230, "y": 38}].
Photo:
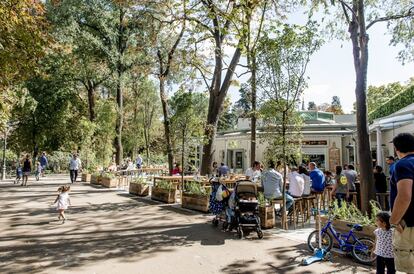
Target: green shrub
[
  {"x": 108, "y": 175},
  {"x": 350, "y": 213},
  {"x": 165, "y": 185},
  {"x": 195, "y": 188},
  {"x": 396, "y": 103},
  {"x": 140, "y": 180},
  {"x": 59, "y": 161}
]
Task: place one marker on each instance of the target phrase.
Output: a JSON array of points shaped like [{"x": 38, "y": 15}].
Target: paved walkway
[{"x": 109, "y": 231}]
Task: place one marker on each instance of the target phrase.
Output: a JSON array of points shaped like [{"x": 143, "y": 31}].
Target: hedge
[{"x": 396, "y": 103}]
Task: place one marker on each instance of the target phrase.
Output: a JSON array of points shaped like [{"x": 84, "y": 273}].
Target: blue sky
[{"x": 331, "y": 69}]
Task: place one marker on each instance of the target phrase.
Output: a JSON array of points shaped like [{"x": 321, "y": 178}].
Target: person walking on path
[
  {"x": 43, "y": 163},
  {"x": 74, "y": 167},
  {"x": 62, "y": 202},
  {"x": 139, "y": 161},
  {"x": 27, "y": 168},
  {"x": 383, "y": 244},
  {"x": 402, "y": 207}
]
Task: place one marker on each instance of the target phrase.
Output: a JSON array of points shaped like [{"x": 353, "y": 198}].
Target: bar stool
[
  {"x": 354, "y": 197},
  {"x": 308, "y": 203},
  {"x": 279, "y": 201},
  {"x": 297, "y": 211}
]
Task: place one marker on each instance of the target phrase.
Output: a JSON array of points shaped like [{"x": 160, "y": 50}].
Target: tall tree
[
  {"x": 165, "y": 54},
  {"x": 335, "y": 106},
  {"x": 117, "y": 31},
  {"x": 23, "y": 40},
  {"x": 283, "y": 58},
  {"x": 312, "y": 106},
  {"x": 359, "y": 17},
  {"x": 220, "y": 21}
]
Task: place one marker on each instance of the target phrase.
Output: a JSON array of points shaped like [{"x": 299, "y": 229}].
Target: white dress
[{"x": 63, "y": 201}]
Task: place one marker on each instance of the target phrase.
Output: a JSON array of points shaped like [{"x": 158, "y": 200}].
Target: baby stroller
[{"x": 247, "y": 209}]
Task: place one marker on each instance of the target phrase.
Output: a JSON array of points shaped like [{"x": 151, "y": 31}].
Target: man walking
[
  {"x": 402, "y": 203},
  {"x": 139, "y": 161},
  {"x": 43, "y": 163},
  {"x": 74, "y": 166}
]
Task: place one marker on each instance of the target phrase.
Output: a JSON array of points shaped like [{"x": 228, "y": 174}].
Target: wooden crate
[
  {"x": 95, "y": 179},
  {"x": 86, "y": 177},
  {"x": 195, "y": 201},
  {"x": 267, "y": 216},
  {"x": 109, "y": 182},
  {"x": 163, "y": 195},
  {"x": 341, "y": 227},
  {"x": 139, "y": 189}
]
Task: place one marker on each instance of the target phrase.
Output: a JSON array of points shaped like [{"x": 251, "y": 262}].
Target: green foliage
[
  {"x": 59, "y": 161},
  {"x": 282, "y": 61},
  {"x": 261, "y": 199},
  {"x": 350, "y": 213},
  {"x": 165, "y": 185},
  {"x": 140, "y": 180},
  {"x": 105, "y": 134},
  {"x": 23, "y": 39},
  {"x": 109, "y": 175},
  {"x": 399, "y": 101},
  {"x": 188, "y": 110},
  {"x": 196, "y": 188}
]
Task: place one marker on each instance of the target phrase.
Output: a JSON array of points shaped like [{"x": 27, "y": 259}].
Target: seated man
[
  {"x": 223, "y": 170},
  {"x": 253, "y": 173},
  {"x": 317, "y": 177},
  {"x": 296, "y": 183},
  {"x": 272, "y": 182}
]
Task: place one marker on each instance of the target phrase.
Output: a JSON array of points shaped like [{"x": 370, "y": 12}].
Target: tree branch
[{"x": 409, "y": 13}]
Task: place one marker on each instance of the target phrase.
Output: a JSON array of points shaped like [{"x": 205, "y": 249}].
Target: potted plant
[
  {"x": 195, "y": 196},
  {"x": 86, "y": 175},
  {"x": 348, "y": 213},
  {"x": 109, "y": 180},
  {"x": 266, "y": 212},
  {"x": 96, "y": 178},
  {"x": 164, "y": 191},
  {"x": 139, "y": 187}
]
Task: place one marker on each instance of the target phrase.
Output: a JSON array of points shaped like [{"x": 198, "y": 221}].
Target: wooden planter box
[
  {"x": 86, "y": 177},
  {"x": 267, "y": 216},
  {"x": 341, "y": 227},
  {"x": 95, "y": 179},
  {"x": 195, "y": 202},
  {"x": 163, "y": 195},
  {"x": 109, "y": 182},
  {"x": 139, "y": 189}
]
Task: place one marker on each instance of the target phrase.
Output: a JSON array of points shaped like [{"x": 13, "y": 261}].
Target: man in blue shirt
[
  {"x": 43, "y": 163},
  {"x": 317, "y": 177},
  {"x": 223, "y": 170},
  {"x": 402, "y": 216}
]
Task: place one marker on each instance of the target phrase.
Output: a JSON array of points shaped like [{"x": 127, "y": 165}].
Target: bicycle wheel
[
  {"x": 313, "y": 241},
  {"x": 362, "y": 250}
]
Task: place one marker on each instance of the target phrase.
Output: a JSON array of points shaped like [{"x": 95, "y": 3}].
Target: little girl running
[
  {"x": 383, "y": 244},
  {"x": 62, "y": 201}
]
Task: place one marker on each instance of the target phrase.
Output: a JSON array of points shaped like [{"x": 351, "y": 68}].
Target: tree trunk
[
  {"x": 218, "y": 93},
  {"x": 119, "y": 122},
  {"x": 91, "y": 101},
  {"x": 359, "y": 40},
  {"x": 214, "y": 109},
  {"x": 254, "y": 106},
  {"x": 284, "y": 220},
  {"x": 167, "y": 130}
]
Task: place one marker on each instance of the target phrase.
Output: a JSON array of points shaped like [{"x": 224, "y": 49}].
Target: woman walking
[{"x": 27, "y": 168}]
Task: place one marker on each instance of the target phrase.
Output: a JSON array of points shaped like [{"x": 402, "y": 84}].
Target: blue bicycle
[{"x": 360, "y": 248}]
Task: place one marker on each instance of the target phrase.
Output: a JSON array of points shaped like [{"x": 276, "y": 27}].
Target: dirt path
[{"x": 109, "y": 231}]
